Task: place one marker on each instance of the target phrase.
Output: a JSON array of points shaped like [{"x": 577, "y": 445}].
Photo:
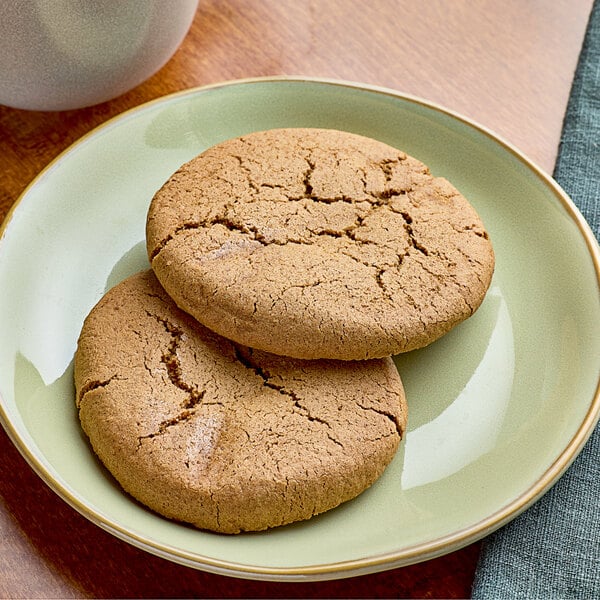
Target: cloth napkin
[{"x": 552, "y": 550}]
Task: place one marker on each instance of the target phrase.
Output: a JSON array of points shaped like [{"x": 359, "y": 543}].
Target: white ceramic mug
[{"x": 65, "y": 54}]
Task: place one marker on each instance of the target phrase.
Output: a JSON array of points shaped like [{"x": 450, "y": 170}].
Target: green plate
[{"x": 498, "y": 408}]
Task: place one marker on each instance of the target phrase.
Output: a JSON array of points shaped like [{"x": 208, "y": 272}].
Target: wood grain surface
[{"x": 508, "y": 65}]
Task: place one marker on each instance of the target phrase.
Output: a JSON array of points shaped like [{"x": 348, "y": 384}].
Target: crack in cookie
[
  {"x": 171, "y": 361},
  {"x": 245, "y": 356},
  {"x": 91, "y": 386}
]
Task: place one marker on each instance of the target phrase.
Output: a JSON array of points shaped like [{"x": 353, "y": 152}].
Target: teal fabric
[{"x": 552, "y": 551}]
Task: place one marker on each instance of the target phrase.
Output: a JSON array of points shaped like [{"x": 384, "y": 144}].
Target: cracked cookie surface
[
  {"x": 215, "y": 434},
  {"x": 318, "y": 244}
]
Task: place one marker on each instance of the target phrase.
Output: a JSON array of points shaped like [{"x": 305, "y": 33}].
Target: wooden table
[{"x": 508, "y": 65}]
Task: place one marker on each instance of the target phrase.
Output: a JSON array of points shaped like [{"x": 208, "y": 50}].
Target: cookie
[
  {"x": 215, "y": 434},
  {"x": 318, "y": 243}
]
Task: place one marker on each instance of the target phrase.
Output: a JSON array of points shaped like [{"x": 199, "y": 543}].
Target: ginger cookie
[
  {"x": 318, "y": 243},
  {"x": 230, "y": 439}
]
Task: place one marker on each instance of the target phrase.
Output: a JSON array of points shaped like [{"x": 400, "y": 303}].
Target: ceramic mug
[{"x": 65, "y": 54}]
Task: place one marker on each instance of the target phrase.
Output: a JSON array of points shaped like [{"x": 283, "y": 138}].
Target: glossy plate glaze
[{"x": 498, "y": 408}]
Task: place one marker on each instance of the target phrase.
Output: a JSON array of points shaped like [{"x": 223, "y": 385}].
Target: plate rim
[{"x": 370, "y": 564}]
